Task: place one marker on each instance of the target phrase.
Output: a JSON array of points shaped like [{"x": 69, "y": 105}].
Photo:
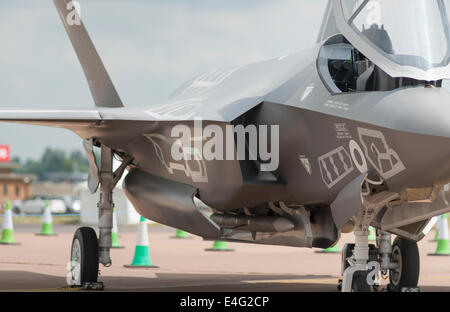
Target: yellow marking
[{"x": 296, "y": 281}]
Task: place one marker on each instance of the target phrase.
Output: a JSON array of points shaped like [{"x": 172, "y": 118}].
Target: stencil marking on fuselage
[
  {"x": 335, "y": 166},
  {"x": 383, "y": 158},
  {"x": 197, "y": 176}
]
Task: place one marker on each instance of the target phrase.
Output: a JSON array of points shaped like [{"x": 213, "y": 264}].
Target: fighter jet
[{"x": 293, "y": 151}]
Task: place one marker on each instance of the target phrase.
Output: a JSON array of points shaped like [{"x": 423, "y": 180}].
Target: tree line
[{"x": 54, "y": 161}]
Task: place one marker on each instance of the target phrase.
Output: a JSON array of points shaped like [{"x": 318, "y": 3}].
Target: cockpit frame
[{"x": 375, "y": 54}]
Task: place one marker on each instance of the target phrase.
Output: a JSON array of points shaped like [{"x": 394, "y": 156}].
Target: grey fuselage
[
  {"x": 412, "y": 120},
  {"x": 350, "y": 138}
]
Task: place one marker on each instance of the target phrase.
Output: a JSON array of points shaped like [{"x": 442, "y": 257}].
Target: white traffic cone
[
  {"x": 115, "y": 232},
  {"x": 436, "y": 230},
  {"x": 141, "y": 253},
  {"x": 47, "y": 227},
  {"x": 443, "y": 244},
  {"x": 8, "y": 227}
]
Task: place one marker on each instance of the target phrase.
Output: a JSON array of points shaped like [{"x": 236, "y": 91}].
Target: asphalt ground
[{"x": 41, "y": 264}]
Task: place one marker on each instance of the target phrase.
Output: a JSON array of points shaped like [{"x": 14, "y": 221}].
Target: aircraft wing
[
  {"x": 69, "y": 119},
  {"x": 86, "y": 123},
  {"x": 83, "y": 122},
  {"x": 26, "y": 114}
]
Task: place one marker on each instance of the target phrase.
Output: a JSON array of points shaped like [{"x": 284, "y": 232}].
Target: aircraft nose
[
  {"x": 419, "y": 110},
  {"x": 411, "y": 160},
  {"x": 419, "y": 137}
]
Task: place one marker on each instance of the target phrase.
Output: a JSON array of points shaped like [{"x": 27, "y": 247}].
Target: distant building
[
  {"x": 69, "y": 177},
  {"x": 52, "y": 189},
  {"x": 14, "y": 186}
]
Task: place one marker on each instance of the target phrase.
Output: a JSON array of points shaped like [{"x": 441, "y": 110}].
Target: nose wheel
[{"x": 83, "y": 258}]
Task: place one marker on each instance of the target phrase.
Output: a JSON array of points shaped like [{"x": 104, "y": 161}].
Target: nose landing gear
[
  {"x": 355, "y": 277},
  {"x": 361, "y": 266}
]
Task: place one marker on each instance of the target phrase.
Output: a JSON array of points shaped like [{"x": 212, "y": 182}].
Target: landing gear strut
[
  {"x": 356, "y": 273},
  {"x": 105, "y": 206},
  {"x": 362, "y": 263},
  {"x": 359, "y": 283},
  {"x": 88, "y": 251}
]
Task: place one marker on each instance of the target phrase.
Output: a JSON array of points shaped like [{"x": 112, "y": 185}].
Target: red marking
[{"x": 4, "y": 153}]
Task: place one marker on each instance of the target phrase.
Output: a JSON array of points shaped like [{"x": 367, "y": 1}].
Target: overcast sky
[{"x": 149, "y": 47}]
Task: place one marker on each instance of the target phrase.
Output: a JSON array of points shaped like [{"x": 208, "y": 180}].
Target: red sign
[{"x": 4, "y": 153}]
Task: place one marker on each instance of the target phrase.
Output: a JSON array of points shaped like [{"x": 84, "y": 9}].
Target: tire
[
  {"x": 16, "y": 210},
  {"x": 84, "y": 257},
  {"x": 406, "y": 253}
]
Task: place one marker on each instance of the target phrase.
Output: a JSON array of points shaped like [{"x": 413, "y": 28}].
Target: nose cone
[
  {"x": 418, "y": 136},
  {"x": 418, "y": 110}
]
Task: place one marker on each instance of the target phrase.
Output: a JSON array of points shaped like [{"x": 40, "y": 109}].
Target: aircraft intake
[{"x": 254, "y": 223}]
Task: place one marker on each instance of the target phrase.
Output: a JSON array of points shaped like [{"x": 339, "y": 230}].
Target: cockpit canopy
[
  {"x": 343, "y": 68},
  {"x": 405, "y": 38}
]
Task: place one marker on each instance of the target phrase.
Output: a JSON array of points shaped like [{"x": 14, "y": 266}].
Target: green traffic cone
[
  {"x": 47, "y": 228},
  {"x": 115, "y": 233},
  {"x": 443, "y": 246},
  {"x": 8, "y": 227},
  {"x": 373, "y": 234},
  {"x": 141, "y": 257},
  {"x": 181, "y": 234},
  {"x": 332, "y": 249},
  {"x": 219, "y": 246}
]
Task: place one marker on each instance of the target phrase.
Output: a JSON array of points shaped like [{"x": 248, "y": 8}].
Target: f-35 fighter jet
[{"x": 293, "y": 151}]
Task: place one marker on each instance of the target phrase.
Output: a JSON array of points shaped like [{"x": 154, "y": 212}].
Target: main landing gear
[
  {"x": 84, "y": 257},
  {"x": 363, "y": 263},
  {"x": 87, "y": 251}
]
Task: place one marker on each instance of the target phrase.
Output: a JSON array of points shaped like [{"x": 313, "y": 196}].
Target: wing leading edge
[{"x": 74, "y": 120}]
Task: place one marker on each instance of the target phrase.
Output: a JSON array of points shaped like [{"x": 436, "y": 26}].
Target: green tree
[{"x": 54, "y": 160}]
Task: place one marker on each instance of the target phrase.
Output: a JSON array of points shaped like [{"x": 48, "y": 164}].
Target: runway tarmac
[{"x": 41, "y": 264}]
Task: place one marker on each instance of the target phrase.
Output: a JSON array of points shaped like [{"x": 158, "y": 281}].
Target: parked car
[
  {"x": 36, "y": 205},
  {"x": 72, "y": 204}
]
